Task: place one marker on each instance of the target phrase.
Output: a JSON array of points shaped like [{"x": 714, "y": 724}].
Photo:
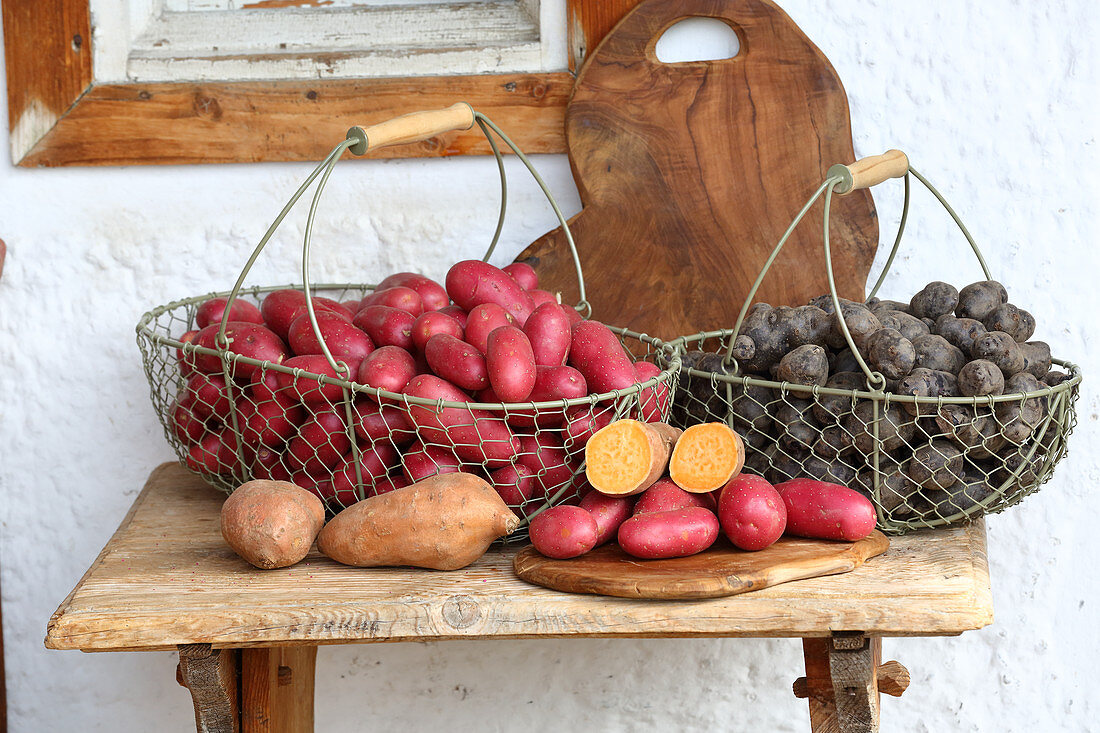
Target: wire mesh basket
[
  {"x": 232, "y": 418},
  {"x": 924, "y": 461}
]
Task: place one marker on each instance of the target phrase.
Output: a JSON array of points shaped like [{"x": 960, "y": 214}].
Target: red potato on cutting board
[
  {"x": 752, "y": 513},
  {"x": 826, "y": 511},
  {"x": 661, "y": 535}
]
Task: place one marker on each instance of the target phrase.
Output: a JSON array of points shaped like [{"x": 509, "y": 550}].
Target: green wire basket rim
[
  {"x": 683, "y": 341},
  {"x": 144, "y": 331}
]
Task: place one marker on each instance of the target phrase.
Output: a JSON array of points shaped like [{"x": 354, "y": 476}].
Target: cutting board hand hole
[{"x": 697, "y": 39}]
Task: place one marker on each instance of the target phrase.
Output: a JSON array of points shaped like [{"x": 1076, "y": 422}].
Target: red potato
[
  {"x": 826, "y": 511},
  {"x": 186, "y": 368},
  {"x": 268, "y": 423},
  {"x": 421, "y": 461},
  {"x": 475, "y": 435},
  {"x": 574, "y": 315},
  {"x": 551, "y": 383},
  {"x": 353, "y": 306},
  {"x": 515, "y": 484},
  {"x": 541, "y": 297},
  {"x": 399, "y": 297},
  {"x": 456, "y": 313},
  {"x": 653, "y": 402},
  {"x": 660, "y": 535},
  {"x": 547, "y": 458},
  {"x": 457, "y": 361},
  {"x": 388, "y": 368},
  {"x": 268, "y": 465},
  {"x": 374, "y": 464},
  {"x": 213, "y": 310},
  {"x": 250, "y": 340},
  {"x": 666, "y": 496},
  {"x": 388, "y": 484},
  {"x": 434, "y": 322},
  {"x": 280, "y": 307},
  {"x": 548, "y": 329},
  {"x": 208, "y": 395},
  {"x": 345, "y": 342},
  {"x": 431, "y": 293},
  {"x": 562, "y": 532},
  {"x": 752, "y": 513},
  {"x": 321, "y": 304},
  {"x": 307, "y": 389},
  {"x": 377, "y": 423},
  {"x": 582, "y": 422},
  {"x": 609, "y": 512},
  {"x": 387, "y": 326},
  {"x": 186, "y": 425},
  {"x": 471, "y": 283},
  {"x": 216, "y": 452},
  {"x": 597, "y": 353},
  {"x": 511, "y": 364},
  {"x": 523, "y": 274},
  {"x": 321, "y": 442},
  {"x": 483, "y": 320},
  {"x": 265, "y": 386}
]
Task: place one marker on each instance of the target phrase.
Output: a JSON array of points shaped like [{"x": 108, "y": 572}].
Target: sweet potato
[
  {"x": 549, "y": 331},
  {"x": 706, "y": 457},
  {"x": 660, "y": 535},
  {"x": 471, "y": 283},
  {"x": 751, "y": 512},
  {"x": 826, "y": 511},
  {"x": 511, "y": 364},
  {"x": 609, "y": 512},
  {"x": 271, "y": 524},
  {"x": 475, "y": 435},
  {"x": 388, "y": 368},
  {"x": 386, "y": 326},
  {"x": 483, "y": 320},
  {"x": 442, "y": 523},
  {"x": 523, "y": 274},
  {"x": 562, "y": 532},
  {"x": 434, "y": 322},
  {"x": 628, "y": 456},
  {"x": 666, "y": 496},
  {"x": 431, "y": 293},
  {"x": 457, "y": 361},
  {"x": 596, "y": 352}
]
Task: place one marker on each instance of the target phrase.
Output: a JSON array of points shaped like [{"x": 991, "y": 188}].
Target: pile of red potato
[
  {"x": 488, "y": 335},
  {"x": 663, "y": 493}
]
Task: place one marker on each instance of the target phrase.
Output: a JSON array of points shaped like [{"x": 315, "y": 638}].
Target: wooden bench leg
[
  {"x": 843, "y": 679},
  {"x": 211, "y": 675},
  {"x": 277, "y": 689}
]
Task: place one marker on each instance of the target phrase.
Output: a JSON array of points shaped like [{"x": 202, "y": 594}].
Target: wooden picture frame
[{"x": 59, "y": 116}]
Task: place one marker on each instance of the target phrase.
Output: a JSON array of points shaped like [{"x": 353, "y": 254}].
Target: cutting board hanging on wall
[{"x": 689, "y": 173}]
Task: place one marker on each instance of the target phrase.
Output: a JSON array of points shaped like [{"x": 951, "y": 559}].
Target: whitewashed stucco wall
[{"x": 997, "y": 101}]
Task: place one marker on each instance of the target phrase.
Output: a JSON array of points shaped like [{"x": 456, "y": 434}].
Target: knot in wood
[
  {"x": 206, "y": 107},
  {"x": 461, "y": 612}
]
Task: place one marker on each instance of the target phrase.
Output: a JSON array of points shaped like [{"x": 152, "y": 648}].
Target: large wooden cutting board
[
  {"x": 723, "y": 570},
  {"x": 690, "y": 172}
]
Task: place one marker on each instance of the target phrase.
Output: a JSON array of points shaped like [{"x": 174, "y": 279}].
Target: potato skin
[
  {"x": 271, "y": 524},
  {"x": 934, "y": 300},
  {"x": 751, "y": 512},
  {"x": 1001, "y": 349},
  {"x": 826, "y": 511},
  {"x": 666, "y": 496},
  {"x": 937, "y": 353},
  {"x": 564, "y": 531},
  {"x": 433, "y": 322},
  {"x": 959, "y": 332},
  {"x": 483, "y": 320},
  {"x": 661, "y": 535},
  {"x": 475, "y": 435},
  {"x": 549, "y": 330},
  {"x": 442, "y": 523},
  {"x": 908, "y": 326},
  {"x": 891, "y": 353},
  {"x": 807, "y": 365},
  {"x": 978, "y": 300},
  {"x": 386, "y": 326},
  {"x": 511, "y": 364},
  {"x": 456, "y": 361},
  {"x": 247, "y": 339},
  {"x": 981, "y": 377},
  {"x": 937, "y": 465},
  {"x": 388, "y": 368},
  {"x": 471, "y": 283},
  {"x": 596, "y": 352},
  {"x": 609, "y": 512},
  {"x": 431, "y": 293},
  {"x": 1016, "y": 322},
  {"x": 925, "y": 382}
]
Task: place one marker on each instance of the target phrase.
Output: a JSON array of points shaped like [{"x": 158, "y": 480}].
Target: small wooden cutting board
[{"x": 723, "y": 570}]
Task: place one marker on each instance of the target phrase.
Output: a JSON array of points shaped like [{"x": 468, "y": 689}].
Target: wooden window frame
[{"x": 59, "y": 116}]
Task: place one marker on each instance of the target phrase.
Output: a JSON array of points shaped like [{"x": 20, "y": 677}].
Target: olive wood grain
[
  {"x": 723, "y": 570},
  {"x": 166, "y": 577},
  {"x": 689, "y": 173}
]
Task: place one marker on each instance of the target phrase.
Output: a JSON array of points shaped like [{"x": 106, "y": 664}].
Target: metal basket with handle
[
  {"x": 360, "y": 440},
  {"x": 924, "y": 461}
]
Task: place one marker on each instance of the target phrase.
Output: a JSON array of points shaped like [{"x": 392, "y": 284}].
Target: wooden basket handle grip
[
  {"x": 871, "y": 171},
  {"x": 411, "y": 128}
]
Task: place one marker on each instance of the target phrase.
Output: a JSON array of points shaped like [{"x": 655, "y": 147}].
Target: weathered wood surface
[
  {"x": 211, "y": 677},
  {"x": 689, "y": 174},
  {"x": 167, "y": 578},
  {"x": 277, "y": 687},
  {"x": 723, "y": 570}
]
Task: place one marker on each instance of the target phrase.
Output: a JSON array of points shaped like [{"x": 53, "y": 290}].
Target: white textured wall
[{"x": 997, "y": 101}]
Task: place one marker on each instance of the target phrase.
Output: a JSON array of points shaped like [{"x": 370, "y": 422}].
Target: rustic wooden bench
[{"x": 247, "y": 639}]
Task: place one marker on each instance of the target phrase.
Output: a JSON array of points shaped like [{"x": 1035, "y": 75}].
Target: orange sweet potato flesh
[
  {"x": 628, "y": 456},
  {"x": 271, "y": 524},
  {"x": 444, "y": 522},
  {"x": 706, "y": 457}
]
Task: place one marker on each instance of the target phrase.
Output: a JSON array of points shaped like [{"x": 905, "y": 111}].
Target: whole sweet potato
[
  {"x": 271, "y": 524},
  {"x": 442, "y": 523}
]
